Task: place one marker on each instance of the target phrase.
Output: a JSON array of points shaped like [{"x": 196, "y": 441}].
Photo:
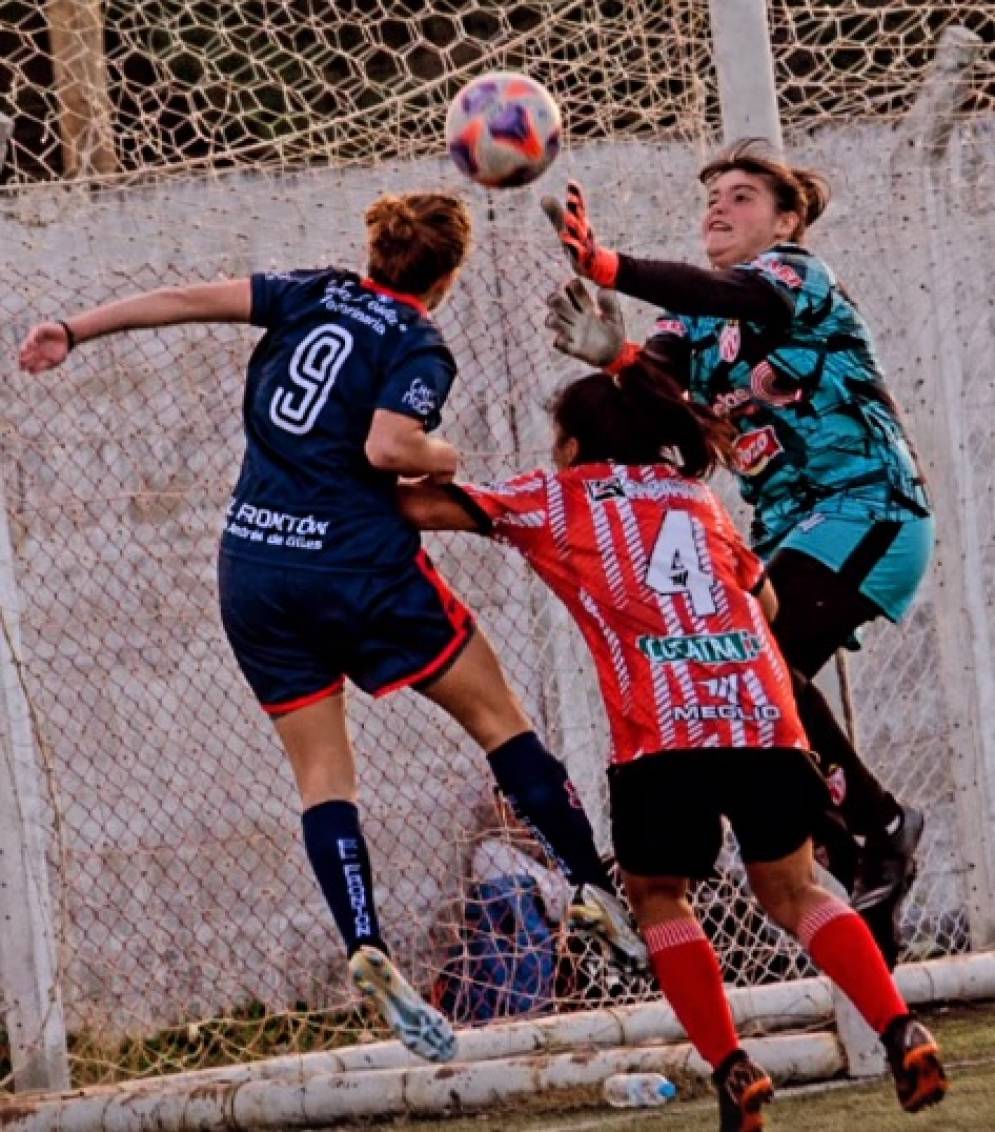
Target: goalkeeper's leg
[
  {"x": 819, "y": 609},
  {"x": 536, "y": 785}
]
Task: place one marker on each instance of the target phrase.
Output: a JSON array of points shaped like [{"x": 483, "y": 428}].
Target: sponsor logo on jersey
[
  {"x": 729, "y": 342},
  {"x": 763, "y": 382},
  {"x": 729, "y": 404},
  {"x": 275, "y": 528},
  {"x": 725, "y": 688},
  {"x": 697, "y": 713},
  {"x": 670, "y": 326},
  {"x": 421, "y": 398},
  {"x": 783, "y": 271},
  {"x": 753, "y": 451},
  {"x": 599, "y": 491},
  {"x": 703, "y": 648}
]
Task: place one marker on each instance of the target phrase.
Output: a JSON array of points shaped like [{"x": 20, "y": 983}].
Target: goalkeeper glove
[
  {"x": 572, "y": 226},
  {"x": 594, "y": 333}
]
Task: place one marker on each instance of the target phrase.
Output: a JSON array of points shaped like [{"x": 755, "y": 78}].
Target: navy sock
[
  {"x": 542, "y": 797},
  {"x": 337, "y": 851}
]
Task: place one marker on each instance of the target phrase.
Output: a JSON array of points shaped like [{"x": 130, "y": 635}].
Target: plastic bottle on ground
[{"x": 638, "y": 1090}]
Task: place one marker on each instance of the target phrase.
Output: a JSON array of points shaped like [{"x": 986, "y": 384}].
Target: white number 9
[{"x": 312, "y": 370}]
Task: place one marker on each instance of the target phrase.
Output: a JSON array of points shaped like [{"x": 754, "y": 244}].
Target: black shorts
[
  {"x": 666, "y": 808},
  {"x": 818, "y": 609},
  {"x": 297, "y": 633}
]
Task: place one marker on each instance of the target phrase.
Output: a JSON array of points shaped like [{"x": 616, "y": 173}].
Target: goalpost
[{"x": 174, "y": 925}]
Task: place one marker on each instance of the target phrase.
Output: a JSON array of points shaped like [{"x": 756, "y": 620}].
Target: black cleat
[
  {"x": 743, "y": 1088},
  {"x": 887, "y": 865},
  {"x": 915, "y": 1063}
]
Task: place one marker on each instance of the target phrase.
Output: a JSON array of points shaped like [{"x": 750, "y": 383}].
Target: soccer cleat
[
  {"x": 743, "y": 1088},
  {"x": 597, "y": 911},
  {"x": 418, "y": 1026},
  {"x": 888, "y": 864},
  {"x": 915, "y": 1063}
]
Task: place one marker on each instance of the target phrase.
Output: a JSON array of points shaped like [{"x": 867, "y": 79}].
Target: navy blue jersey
[{"x": 336, "y": 349}]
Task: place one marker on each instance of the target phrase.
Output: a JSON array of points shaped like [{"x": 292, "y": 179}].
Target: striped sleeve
[{"x": 518, "y": 508}]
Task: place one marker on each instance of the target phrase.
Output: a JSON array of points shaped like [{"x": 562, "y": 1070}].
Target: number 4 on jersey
[{"x": 677, "y": 565}]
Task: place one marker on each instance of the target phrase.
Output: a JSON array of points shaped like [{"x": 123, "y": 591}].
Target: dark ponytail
[{"x": 641, "y": 416}]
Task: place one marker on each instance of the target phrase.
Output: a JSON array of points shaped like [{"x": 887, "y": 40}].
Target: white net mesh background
[{"x": 181, "y": 890}]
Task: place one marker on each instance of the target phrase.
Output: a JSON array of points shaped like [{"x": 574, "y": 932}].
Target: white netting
[{"x": 182, "y": 892}]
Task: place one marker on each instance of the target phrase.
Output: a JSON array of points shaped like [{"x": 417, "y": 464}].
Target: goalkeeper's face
[{"x": 741, "y": 218}]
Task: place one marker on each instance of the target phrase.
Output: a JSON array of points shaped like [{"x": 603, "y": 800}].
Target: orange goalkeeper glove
[{"x": 576, "y": 235}]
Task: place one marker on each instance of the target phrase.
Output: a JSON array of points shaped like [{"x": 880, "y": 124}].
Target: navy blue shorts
[{"x": 297, "y": 633}]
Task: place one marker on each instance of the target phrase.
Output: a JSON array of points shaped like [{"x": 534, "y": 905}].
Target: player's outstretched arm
[
  {"x": 679, "y": 287},
  {"x": 433, "y": 508},
  {"x": 48, "y": 343},
  {"x": 592, "y": 331},
  {"x": 586, "y": 256}
]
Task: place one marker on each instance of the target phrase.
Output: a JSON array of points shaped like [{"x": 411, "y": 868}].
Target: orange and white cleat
[
  {"x": 743, "y": 1088},
  {"x": 914, "y": 1057}
]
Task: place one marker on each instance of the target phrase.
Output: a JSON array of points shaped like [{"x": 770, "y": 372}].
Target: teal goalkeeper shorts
[{"x": 887, "y": 560}]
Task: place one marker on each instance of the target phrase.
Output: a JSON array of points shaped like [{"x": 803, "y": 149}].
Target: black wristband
[{"x": 70, "y": 337}]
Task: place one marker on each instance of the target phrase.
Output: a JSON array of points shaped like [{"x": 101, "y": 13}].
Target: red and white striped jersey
[{"x": 652, "y": 569}]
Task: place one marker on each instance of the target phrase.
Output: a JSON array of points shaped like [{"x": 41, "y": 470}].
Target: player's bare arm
[
  {"x": 397, "y": 443},
  {"x": 48, "y": 343},
  {"x": 433, "y": 508}
]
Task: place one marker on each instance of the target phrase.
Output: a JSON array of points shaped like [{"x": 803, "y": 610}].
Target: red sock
[
  {"x": 687, "y": 969},
  {"x": 841, "y": 944}
]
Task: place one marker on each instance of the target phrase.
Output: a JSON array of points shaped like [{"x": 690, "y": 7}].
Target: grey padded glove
[{"x": 592, "y": 332}]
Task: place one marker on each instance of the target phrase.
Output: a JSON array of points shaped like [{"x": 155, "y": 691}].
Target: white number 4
[{"x": 676, "y": 566}]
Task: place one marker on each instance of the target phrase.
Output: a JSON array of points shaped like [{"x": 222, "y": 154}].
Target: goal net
[{"x": 156, "y": 143}]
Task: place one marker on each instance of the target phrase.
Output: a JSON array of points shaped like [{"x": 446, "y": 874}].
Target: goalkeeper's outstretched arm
[{"x": 679, "y": 287}]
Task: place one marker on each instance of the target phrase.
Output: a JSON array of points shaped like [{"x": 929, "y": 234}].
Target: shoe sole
[
  {"x": 419, "y": 1027},
  {"x": 930, "y": 1078}
]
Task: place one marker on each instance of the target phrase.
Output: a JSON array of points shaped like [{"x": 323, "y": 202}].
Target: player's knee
[
  {"x": 656, "y": 898},
  {"x": 784, "y": 901}
]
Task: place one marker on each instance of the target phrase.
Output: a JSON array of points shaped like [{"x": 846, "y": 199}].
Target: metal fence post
[
  {"x": 28, "y": 951},
  {"x": 745, "y": 68}
]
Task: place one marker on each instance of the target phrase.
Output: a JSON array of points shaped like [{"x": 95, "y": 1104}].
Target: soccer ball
[{"x": 503, "y": 130}]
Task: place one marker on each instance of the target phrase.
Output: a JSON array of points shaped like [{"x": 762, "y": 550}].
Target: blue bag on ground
[{"x": 506, "y": 963}]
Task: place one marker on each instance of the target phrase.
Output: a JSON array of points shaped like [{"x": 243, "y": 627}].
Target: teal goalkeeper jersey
[{"x": 817, "y": 426}]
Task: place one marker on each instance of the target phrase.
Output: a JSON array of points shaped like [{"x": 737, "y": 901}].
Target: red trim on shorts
[
  {"x": 304, "y": 701},
  {"x": 457, "y": 615},
  {"x": 411, "y": 300}
]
